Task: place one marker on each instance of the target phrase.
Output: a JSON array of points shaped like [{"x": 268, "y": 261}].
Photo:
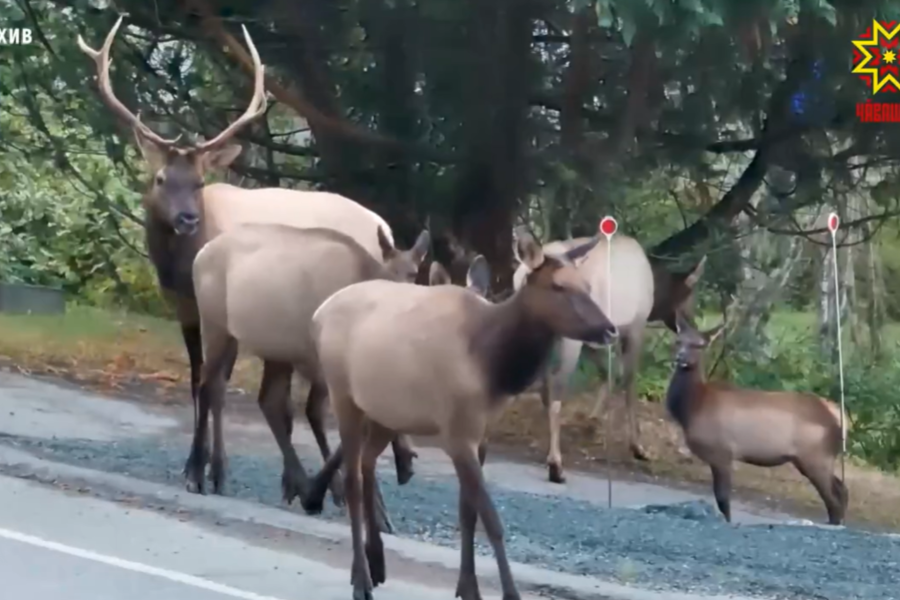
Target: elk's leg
[
  {"x": 315, "y": 414},
  {"x": 632, "y": 340},
  {"x": 821, "y": 475},
  {"x": 475, "y": 501},
  {"x": 351, "y": 426},
  {"x": 315, "y": 497},
  {"x": 839, "y": 489},
  {"x": 721, "y": 479},
  {"x": 193, "y": 342},
  {"x": 552, "y": 394},
  {"x": 376, "y": 441},
  {"x": 403, "y": 458},
  {"x": 274, "y": 402},
  {"x": 217, "y": 387}
]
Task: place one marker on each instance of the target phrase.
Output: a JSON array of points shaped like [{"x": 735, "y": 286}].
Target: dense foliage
[{"x": 722, "y": 127}]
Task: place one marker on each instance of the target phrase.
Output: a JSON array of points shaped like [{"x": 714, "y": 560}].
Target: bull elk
[
  {"x": 440, "y": 361},
  {"x": 723, "y": 424},
  {"x": 635, "y": 299},
  {"x": 181, "y": 215}
]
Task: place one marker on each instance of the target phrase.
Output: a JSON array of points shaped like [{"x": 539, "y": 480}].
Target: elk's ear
[
  {"x": 577, "y": 252},
  {"x": 527, "y": 250},
  {"x": 478, "y": 278},
  {"x": 387, "y": 247},
  {"x": 221, "y": 158},
  {"x": 691, "y": 280},
  {"x": 713, "y": 334},
  {"x": 438, "y": 275},
  {"x": 154, "y": 155},
  {"x": 420, "y": 249}
]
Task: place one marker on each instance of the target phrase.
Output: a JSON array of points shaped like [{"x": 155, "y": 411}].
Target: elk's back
[
  {"x": 263, "y": 282},
  {"x": 765, "y": 428},
  {"x": 631, "y": 284},
  {"x": 400, "y": 351},
  {"x": 226, "y": 206}
]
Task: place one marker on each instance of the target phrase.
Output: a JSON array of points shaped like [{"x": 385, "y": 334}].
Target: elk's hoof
[
  {"x": 375, "y": 558},
  {"x": 217, "y": 477},
  {"x": 556, "y": 474},
  {"x": 362, "y": 583},
  {"x": 292, "y": 486},
  {"x": 193, "y": 487},
  {"x": 193, "y": 478},
  {"x": 312, "y": 506},
  {"x": 467, "y": 588},
  {"x": 403, "y": 461}
]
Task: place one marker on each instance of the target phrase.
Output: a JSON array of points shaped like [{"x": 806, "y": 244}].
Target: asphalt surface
[
  {"x": 55, "y": 545},
  {"x": 564, "y": 541}
]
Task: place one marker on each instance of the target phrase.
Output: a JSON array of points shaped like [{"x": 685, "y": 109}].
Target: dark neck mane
[
  {"x": 683, "y": 388},
  {"x": 172, "y": 255},
  {"x": 511, "y": 346}
]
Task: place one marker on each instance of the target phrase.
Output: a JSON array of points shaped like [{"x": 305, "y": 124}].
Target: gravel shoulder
[{"x": 565, "y": 539}]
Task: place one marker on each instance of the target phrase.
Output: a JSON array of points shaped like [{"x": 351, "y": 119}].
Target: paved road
[{"x": 59, "y": 545}]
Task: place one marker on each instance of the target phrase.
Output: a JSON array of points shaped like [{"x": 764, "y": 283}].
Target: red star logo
[{"x": 875, "y": 57}]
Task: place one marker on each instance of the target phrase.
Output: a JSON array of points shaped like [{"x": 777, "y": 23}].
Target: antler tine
[
  {"x": 102, "y": 61},
  {"x": 257, "y": 102}
]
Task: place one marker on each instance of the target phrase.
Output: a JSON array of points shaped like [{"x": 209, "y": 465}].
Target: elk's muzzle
[{"x": 186, "y": 223}]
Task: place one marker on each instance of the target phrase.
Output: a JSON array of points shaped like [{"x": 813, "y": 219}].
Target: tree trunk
[
  {"x": 494, "y": 175},
  {"x": 827, "y": 296}
]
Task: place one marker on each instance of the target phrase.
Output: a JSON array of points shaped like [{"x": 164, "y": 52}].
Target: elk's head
[
  {"x": 177, "y": 171},
  {"x": 557, "y": 295},
  {"x": 403, "y": 265},
  {"x": 690, "y": 342},
  {"x": 674, "y": 292}
]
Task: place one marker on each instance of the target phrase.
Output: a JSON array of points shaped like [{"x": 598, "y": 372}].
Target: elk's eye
[{"x": 160, "y": 180}]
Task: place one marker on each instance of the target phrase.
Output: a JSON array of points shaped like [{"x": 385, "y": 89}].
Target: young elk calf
[
  {"x": 722, "y": 424},
  {"x": 257, "y": 287},
  {"x": 440, "y": 361}
]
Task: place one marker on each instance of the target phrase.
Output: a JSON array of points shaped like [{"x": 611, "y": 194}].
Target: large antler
[
  {"x": 103, "y": 61},
  {"x": 257, "y": 102}
]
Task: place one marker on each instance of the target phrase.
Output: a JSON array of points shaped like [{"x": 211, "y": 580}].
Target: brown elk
[
  {"x": 635, "y": 298},
  {"x": 440, "y": 361},
  {"x": 257, "y": 287},
  {"x": 722, "y": 424},
  {"x": 181, "y": 214}
]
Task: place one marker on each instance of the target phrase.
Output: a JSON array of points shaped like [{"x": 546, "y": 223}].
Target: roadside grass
[
  {"x": 102, "y": 349},
  {"x": 110, "y": 351}
]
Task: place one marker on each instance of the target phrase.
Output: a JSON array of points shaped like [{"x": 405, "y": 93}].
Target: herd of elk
[
  {"x": 312, "y": 282},
  {"x": 639, "y": 292},
  {"x": 181, "y": 215},
  {"x": 723, "y": 424}
]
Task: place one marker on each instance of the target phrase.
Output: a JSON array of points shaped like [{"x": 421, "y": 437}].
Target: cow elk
[
  {"x": 440, "y": 361},
  {"x": 634, "y": 299},
  {"x": 257, "y": 287},
  {"x": 181, "y": 215},
  {"x": 723, "y": 424}
]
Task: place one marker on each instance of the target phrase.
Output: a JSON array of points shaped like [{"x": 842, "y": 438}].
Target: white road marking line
[{"x": 191, "y": 580}]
